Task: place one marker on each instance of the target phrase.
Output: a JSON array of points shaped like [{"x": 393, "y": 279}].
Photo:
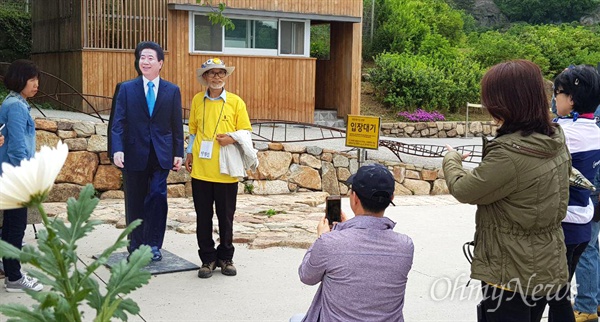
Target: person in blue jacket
[{"x": 22, "y": 79}]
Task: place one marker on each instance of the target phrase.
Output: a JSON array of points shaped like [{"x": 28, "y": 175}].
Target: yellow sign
[{"x": 363, "y": 131}]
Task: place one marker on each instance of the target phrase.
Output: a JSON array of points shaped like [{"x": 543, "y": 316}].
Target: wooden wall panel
[
  {"x": 272, "y": 87},
  {"x": 116, "y": 24},
  {"x": 66, "y": 66},
  {"x": 338, "y": 79},
  {"x": 352, "y": 8},
  {"x": 56, "y": 25},
  {"x": 324, "y": 86}
]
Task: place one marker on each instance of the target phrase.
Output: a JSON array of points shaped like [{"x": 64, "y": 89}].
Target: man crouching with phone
[{"x": 362, "y": 263}]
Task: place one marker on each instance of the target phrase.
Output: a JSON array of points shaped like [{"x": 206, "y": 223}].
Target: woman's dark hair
[
  {"x": 513, "y": 92},
  {"x": 18, "y": 73},
  {"x": 582, "y": 83}
]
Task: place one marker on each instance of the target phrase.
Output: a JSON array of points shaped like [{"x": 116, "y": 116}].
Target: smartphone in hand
[{"x": 333, "y": 209}]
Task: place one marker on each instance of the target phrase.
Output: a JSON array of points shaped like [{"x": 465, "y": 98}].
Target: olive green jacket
[{"x": 521, "y": 189}]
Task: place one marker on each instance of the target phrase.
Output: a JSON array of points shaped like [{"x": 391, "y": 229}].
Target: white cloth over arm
[{"x": 236, "y": 158}]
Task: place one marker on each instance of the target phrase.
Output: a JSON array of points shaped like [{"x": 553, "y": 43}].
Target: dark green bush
[
  {"x": 546, "y": 11},
  {"x": 401, "y": 25},
  {"x": 552, "y": 47},
  {"x": 15, "y": 39},
  {"x": 494, "y": 47},
  {"x": 429, "y": 82}
]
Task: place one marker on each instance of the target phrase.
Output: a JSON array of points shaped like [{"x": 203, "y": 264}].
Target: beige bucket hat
[{"x": 212, "y": 64}]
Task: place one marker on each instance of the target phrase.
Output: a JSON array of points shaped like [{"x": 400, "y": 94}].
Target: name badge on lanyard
[{"x": 206, "y": 149}]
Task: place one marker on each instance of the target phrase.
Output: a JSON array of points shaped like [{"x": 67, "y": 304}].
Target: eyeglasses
[{"x": 213, "y": 73}]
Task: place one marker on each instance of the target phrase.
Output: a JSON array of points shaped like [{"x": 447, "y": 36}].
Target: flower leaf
[
  {"x": 79, "y": 212},
  {"x": 22, "y": 313},
  {"x": 9, "y": 251},
  {"x": 127, "y": 276}
]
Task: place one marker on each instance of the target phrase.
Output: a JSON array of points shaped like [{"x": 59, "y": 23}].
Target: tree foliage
[
  {"x": 403, "y": 24},
  {"x": 552, "y": 47},
  {"x": 15, "y": 41},
  {"x": 320, "y": 41},
  {"x": 546, "y": 11},
  {"x": 430, "y": 82}
]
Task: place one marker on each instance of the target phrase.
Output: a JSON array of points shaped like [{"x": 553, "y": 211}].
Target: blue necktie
[{"x": 150, "y": 98}]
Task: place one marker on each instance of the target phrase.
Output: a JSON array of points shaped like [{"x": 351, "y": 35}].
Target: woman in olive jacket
[{"x": 521, "y": 189}]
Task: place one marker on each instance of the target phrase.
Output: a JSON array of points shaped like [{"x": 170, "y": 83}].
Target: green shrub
[
  {"x": 547, "y": 11},
  {"x": 402, "y": 25},
  {"x": 552, "y": 47},
  {"x": 408, "y": 82},
  {"x": 562, "y": 45},
  {"x": 493, "y": 47},
  {"x": 15, "y": 39}
]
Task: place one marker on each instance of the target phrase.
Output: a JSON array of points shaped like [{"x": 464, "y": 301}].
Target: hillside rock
[{"x": 488, "y": 14}]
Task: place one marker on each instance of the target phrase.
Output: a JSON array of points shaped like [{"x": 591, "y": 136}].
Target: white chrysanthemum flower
[{"x": 31, "y": 182}]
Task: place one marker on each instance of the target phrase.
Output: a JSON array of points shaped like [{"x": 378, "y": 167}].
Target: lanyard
[{"x": 204, "y": 119}]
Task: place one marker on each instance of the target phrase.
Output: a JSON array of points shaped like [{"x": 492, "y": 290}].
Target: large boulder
[
  {"x": 305, "y": 177},
  {"x": 487, "y": 13},
  {"x": 108, "y": 177},
  {"x": 79, "y": 168}
]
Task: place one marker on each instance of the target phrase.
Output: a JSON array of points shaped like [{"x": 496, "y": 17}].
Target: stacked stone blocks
[{"x": 284, "y": 168}]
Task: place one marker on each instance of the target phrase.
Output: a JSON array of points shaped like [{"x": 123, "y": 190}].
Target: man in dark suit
[{"x": 147, "y": 142}]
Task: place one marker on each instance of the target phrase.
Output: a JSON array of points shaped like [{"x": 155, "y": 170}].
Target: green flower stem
[{"x": 63, "y": 270}]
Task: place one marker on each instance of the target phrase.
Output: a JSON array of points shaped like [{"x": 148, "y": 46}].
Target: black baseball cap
[{"x": 374, "y": 182}]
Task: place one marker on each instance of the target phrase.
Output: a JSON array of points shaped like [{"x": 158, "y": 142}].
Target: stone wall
[
  {"x": 437, "y": 129},
  {"x": 284, "y": 168}
]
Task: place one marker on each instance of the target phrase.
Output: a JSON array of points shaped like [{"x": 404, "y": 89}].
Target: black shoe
[
  {"x": 206, "y": 270},
  {"x": 227, "y": 267},
  {"x": 156, "y": 255}
]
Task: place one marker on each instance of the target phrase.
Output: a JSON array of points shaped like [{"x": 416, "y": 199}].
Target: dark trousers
[
  {"x": 13, "y": 230},
  {"x": 224, "y": 197},
  {"x": 146, "y": 199},
  {"x": 504, "y": 306},
  {"x": 561, "y": 309}
]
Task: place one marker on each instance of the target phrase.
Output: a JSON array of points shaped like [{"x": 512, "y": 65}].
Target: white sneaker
[
  {"x": 35, "y": 280},
  {"x": 20, "y": 285}
]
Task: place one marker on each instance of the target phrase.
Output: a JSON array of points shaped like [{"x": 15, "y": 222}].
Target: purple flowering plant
[{"x": 420, "y": 116}]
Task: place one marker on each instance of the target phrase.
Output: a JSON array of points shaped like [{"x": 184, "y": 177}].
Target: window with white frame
[
  {"x": 292, "y": 37},
  {"x": 260, "y": 36}
]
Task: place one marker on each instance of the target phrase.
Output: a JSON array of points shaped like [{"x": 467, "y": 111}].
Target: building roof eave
[{"x": 265, "y": 13}]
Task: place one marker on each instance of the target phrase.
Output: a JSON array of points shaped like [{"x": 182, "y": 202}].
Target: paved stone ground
[{"x": 294, "y": 225}]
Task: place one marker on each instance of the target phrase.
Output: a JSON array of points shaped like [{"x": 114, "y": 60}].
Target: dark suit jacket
[{"x": 133, "y": 129}]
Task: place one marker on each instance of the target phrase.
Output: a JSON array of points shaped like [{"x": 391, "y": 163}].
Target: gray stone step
[{"x": 328, "y": 118}]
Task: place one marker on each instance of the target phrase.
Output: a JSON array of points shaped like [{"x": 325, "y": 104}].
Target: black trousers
[
  {"x": 561, "y": 309},
  {"x": 13, "y": 230},
  {"x": 224, "y": 198},
  {"x": 505, "y": 306},
  {"x": 146, "y": 199}
]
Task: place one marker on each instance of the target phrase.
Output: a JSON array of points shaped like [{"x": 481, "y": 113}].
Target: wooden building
[{"x": 90, "y": 43}]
